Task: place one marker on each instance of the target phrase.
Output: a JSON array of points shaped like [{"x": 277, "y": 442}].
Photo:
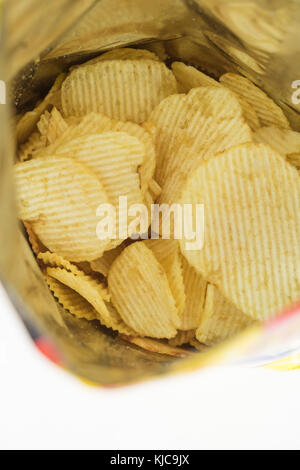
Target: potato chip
[
  {"x": 220, "y": 319},
  {"x": 28, "y": 122},
  {"x": 189, "y": 77},
  {"x": 71, "y": 301},
  {"x": 56, "y": 126},
  {"x": 167, "y": 253},
  {"x": 31, "y": 149},
  {"x": 60, "y": 197},
  {"x": 156, "y": 346},
  {"x": 182, "y": 338},
  {"x": 55, "y": 261},
  {"x": 96, "y": 294},
  {"x": 195, "y": 287},
  {"x": 114, "y": 157},
  {"x": 251, "y": 252},
  {"x": 283, "y": 141},
  {"x": 36, "y": 244},
  {"x": 269, "y": 113},
  {"x": 140, "y": 292},
  {"x": 124, "y": 90},
  {"x": 124, "y": 54}
]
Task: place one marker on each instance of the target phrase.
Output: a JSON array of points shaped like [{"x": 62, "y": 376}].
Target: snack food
[{"x": 116, "y": 127}]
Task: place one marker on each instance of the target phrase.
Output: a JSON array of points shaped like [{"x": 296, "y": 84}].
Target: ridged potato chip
[
  {"x": 195, "y": 287},
  {"x": 72, "y": 301},
  {"x": 283, "y": 141},
  {"x": 123, "y": 90},
  {"x": 182, "y": 338},
  {"x": 156, "y": 346},
  {"x": 60, "y": 197},
  {"x": 114, "y": 157},
  {"x": 96, "y": 294},
  {"x": 158, "y": 48},
  {"x": 252, "y": 230},
  {"x": 167, "y": 253},
  {"x": 28, "y": 122},
  {"x": 269, "y": 113},
  {"x": 140, "y": 292},
  {"x": 31, "y": 149},
  {"x": 220, "y": 319}
]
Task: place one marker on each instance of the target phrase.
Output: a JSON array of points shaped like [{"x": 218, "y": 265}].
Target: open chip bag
[{"x": 150, "y": 183}]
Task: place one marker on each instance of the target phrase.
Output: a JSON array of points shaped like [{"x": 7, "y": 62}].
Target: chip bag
[{"x": 170, "y": 102}]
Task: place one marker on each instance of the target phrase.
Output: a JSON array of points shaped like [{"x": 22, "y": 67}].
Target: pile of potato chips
[{"x": 124, "y": 124}]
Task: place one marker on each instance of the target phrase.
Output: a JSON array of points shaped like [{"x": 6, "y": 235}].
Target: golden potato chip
[
  {"x": 220, "y": 319},
  {"x": 35, "y": 144},
  {"x": 55, "y": 261},
  {"x": 167, "y": 253},
  {"x": 189, "y": 77},
  {"x": 102, "y": 265},
  {"x": 269, "y": 113},
  {"x": 72, "y": 301},
  {"x": 183, "y": 337},
  {"x": 114, "y": 157},
  {"x": 36, "y": 244},
  {"x": 140, "y": 292},
  {"x": 283, "y": 141},
  {"x": 156, "y": 346},
  {"x": 195, "y": 287},
  {"x": 56, "y": 126},
  {"x": 96, "y": 294},
  {"x": 251, "y": 251},
  {"x": 60, "y": 197},
  {"x": 28, "y": 122},
  {"x": 124, "y": 54},
  {"x": 124, "y": 90}
]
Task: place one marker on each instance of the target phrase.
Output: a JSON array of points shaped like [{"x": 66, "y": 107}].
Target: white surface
[{"x": 42, "y": 407}]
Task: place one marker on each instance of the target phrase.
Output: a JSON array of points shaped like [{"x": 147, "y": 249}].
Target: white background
[{"x": 42, "y": 407}]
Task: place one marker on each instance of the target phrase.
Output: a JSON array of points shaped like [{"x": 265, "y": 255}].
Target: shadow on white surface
[{"x": 43, "y": 407}]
